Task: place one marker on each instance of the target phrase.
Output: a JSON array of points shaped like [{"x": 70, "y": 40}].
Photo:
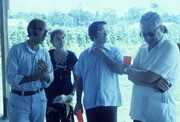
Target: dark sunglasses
[{"x": 150, "y": 34}]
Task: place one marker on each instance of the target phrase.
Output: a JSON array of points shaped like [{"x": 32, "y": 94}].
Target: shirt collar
[
  {"x": 106, "y": 47},
  {"x": 29, "y": 48}
]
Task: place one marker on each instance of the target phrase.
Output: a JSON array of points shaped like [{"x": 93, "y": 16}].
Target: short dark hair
[
  {"x": 33, "y": 24},
  {"x": 92, "y": 31},
  {"x": 54, "y": 32}
]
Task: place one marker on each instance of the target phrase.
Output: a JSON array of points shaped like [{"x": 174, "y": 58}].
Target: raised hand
[
  {"x": 77, "y": 107},
  {"x": 99, "y": 52}
]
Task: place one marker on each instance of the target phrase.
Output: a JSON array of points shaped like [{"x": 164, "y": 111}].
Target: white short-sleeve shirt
[
  {"x": 147, "y": 105},
  {"x": 100, "y": 83}
]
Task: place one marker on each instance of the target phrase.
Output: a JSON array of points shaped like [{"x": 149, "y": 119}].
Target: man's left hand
[{"x": 162, "y": 85}]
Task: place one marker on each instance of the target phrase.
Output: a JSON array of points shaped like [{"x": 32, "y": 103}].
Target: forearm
[
  {"x": 133, "y": 80},
  {"x": 73, "y": 87},
  {"x": 74, "y": 83},
  {"x": 113, "y": 65},
  {"x": 37, "y": 76},
  {"x": 79, "y": 88},
  {"x": 143, "y": 77},
  {"x": 28, "y": 79}
]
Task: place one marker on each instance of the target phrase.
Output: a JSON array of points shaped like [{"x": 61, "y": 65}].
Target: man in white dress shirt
[{"x": 154, "y": 73}]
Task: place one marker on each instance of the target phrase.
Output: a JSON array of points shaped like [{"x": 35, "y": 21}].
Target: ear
[{"x": 162, "y": 28}]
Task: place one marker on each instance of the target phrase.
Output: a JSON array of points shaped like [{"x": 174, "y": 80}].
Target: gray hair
[
  {"x": 154, "y": 18},
  {"x": 151, "y": 17}
]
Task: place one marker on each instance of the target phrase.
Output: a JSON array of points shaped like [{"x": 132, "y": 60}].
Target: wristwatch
[{"x": 125, "y": 70}]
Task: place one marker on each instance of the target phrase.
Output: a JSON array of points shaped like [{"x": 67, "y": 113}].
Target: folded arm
[{"x": 147, "y": 78}]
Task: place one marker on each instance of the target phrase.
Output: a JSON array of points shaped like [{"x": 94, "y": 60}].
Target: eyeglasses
[
  {"x": 41, "y": 29},
  {"x": 150, "y": 34},
  {"x": 102, "y": 31}
]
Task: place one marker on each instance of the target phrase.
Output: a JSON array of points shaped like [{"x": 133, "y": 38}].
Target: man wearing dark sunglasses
[
  {"x": 154, "y": 73},
  {"x": 29, "y": 71}
]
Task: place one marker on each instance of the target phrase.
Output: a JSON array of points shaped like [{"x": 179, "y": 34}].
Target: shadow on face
[{"x": 151, "y": 33}]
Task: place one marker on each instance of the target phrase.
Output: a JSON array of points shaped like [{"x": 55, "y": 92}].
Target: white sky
[{"x": 120, "y": 6}]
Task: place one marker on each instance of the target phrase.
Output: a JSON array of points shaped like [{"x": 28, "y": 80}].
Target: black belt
[{"x": 26, "y": 93}]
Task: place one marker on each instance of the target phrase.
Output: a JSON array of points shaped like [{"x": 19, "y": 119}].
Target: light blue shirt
[
  {"x": 147, "y": 105},
  {"x": 22, "y": 61},
  {"x": 100, "y": 83}
]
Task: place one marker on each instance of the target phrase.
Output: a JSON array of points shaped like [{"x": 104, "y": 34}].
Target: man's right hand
[{"x": 78, "y": 106}]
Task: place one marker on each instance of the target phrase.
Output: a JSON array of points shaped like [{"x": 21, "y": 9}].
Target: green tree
[
  {"x": 154, "y": 7},
  {"x": 134, "y": 15}
]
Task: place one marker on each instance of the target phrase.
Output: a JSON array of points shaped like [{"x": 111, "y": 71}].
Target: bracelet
[{"x": 125, "y": 70}]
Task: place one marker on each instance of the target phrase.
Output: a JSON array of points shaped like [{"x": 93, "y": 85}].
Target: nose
[{"x": 45, "y": 33}]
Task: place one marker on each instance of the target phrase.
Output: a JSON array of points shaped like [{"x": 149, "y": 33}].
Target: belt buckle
[{"x": 37, "y": 91}]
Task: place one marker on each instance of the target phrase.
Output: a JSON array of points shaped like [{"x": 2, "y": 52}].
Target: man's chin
[
  {"x": 41, "y": 42},
  {"x": 104, "y": 41}
]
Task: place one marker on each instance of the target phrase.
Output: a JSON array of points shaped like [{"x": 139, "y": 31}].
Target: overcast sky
[{"x": 120, "y": 6}]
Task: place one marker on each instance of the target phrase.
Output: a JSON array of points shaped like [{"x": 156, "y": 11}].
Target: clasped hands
[
  {"x": 160, "y": 85},
  {"x": 42, "y": 70}
]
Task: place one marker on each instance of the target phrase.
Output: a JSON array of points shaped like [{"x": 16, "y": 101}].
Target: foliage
[{"x": 122, "y": 30}]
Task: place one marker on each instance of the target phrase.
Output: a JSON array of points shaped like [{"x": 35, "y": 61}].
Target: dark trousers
[
  {"x": 136, "y": 121},
  {"x": 102, "y": 114}
]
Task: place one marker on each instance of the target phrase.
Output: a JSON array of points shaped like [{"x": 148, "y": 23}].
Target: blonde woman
[{"x": 63, "y": 62}]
